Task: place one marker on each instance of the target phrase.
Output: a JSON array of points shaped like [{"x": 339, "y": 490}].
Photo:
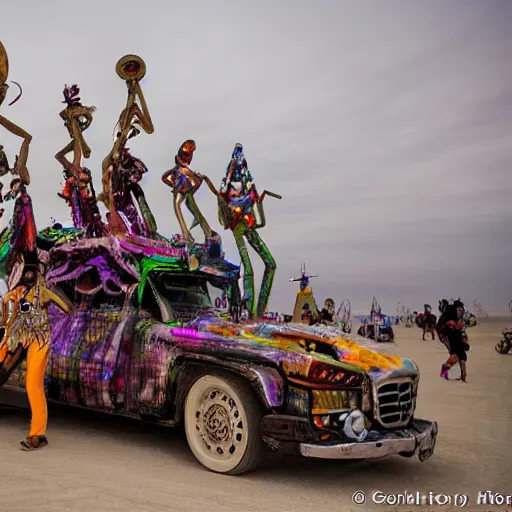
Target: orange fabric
[{"x": 37, "y": 361}]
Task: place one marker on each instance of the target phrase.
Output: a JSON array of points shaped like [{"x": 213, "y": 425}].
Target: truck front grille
[{"x": 395, "y": 403}]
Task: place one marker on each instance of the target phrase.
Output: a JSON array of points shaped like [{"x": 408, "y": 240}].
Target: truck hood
[{"x": 296, "y": 348}]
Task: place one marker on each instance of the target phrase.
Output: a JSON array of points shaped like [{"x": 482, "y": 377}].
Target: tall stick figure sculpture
[
  {"x": 79, "y": 190},
  {"x": 21, "y": 167},
  {"x": 241, "y": 210},
  {"x": 25, "y": 326},
  {"x": 132, "y": 69}
]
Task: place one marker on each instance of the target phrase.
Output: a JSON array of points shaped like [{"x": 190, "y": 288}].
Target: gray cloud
[{"x": 387, "y": 128}]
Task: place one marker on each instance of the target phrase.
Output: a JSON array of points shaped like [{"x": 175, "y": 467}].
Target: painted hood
[{"x": 300, "y": 350}]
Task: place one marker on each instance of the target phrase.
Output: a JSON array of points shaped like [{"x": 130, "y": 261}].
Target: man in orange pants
[{"x": 27, "y": 335}]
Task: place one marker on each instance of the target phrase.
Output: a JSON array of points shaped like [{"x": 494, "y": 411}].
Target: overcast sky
[{"x": 386, "y": 127}]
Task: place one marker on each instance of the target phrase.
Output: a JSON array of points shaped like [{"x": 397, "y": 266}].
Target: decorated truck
[
  {"x": 149, "y": 327},
  {"x": 162, "y": 352}
]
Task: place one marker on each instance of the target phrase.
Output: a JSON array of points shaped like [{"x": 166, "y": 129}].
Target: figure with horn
[
  {"x": 78, "y": 190},
  {"x": 241, "y": 210},
  {"x": 132, "y": 69}
]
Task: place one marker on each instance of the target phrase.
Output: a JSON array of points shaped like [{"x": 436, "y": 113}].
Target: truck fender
[{"x": 266, "y": 381}]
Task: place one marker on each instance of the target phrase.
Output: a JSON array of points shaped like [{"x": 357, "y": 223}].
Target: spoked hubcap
[{"x": 219, "y": 423}]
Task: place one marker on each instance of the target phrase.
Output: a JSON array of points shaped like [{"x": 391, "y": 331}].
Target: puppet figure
[
  {"x": 184, "y": 183},
  {"x": 129, "y": 199},
  {"x": 241, "y": 210}
]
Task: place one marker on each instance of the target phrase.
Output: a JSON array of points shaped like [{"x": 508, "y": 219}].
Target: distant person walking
[{"x": 453, "y": 335}]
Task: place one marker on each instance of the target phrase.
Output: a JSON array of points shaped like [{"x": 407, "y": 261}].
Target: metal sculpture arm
[
  {"x": 258, "y": 208},
  {"x": 23, "y": 156},
  {"x": 271, "y": 194}
]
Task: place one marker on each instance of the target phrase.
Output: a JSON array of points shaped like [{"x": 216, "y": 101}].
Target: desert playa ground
[{"x": 97, "y": 463}]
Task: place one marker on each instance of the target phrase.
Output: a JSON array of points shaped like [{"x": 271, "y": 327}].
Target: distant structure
[
  {"x": 304, "y": 278},
  {"x": 480, "y": 309},
  {"x": 304, "y": 296},
  {"x": 344, "y": 316},
  {"x": 403, "y": 313}
]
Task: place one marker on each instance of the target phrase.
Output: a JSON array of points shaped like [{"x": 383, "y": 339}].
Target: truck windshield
[{"x": 185, "y": 297}]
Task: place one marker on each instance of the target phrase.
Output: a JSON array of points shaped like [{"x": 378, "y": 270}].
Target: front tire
[{"x": 223, "y": 424}]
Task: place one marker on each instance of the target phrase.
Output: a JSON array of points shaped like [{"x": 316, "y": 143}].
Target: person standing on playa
[{"x": 457, "y": 342}]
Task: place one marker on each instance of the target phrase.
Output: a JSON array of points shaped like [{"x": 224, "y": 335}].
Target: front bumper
[{"x": 418, "y": 439}]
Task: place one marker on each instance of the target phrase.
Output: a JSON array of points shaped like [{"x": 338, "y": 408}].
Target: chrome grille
[{"x": 395, "y": 403}]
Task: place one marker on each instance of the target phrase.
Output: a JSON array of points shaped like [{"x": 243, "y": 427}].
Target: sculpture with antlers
[{"x": 79, "y": 190}]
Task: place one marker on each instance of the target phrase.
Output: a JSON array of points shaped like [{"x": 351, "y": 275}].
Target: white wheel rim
[{"x": 216, "y": 424}]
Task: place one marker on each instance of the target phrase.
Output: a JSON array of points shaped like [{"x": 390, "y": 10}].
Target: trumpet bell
[
  {"x": 131, "y": 67},
  {"x": 4, "y": 64}
]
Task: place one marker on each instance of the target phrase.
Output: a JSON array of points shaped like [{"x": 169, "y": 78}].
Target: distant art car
[
  {"x": 377, "y": 326},
  {"x": 504, "y": 346}
]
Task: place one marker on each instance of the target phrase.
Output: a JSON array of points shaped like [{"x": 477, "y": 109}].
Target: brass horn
[
  {"x": 131, "y": 67},
  {"x": 4, "y": 64}
]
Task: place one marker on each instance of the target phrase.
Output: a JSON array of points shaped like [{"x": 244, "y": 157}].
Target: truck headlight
[
  {"x": 354, "y": 425},
  {"x": 328, "y": 401}
]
